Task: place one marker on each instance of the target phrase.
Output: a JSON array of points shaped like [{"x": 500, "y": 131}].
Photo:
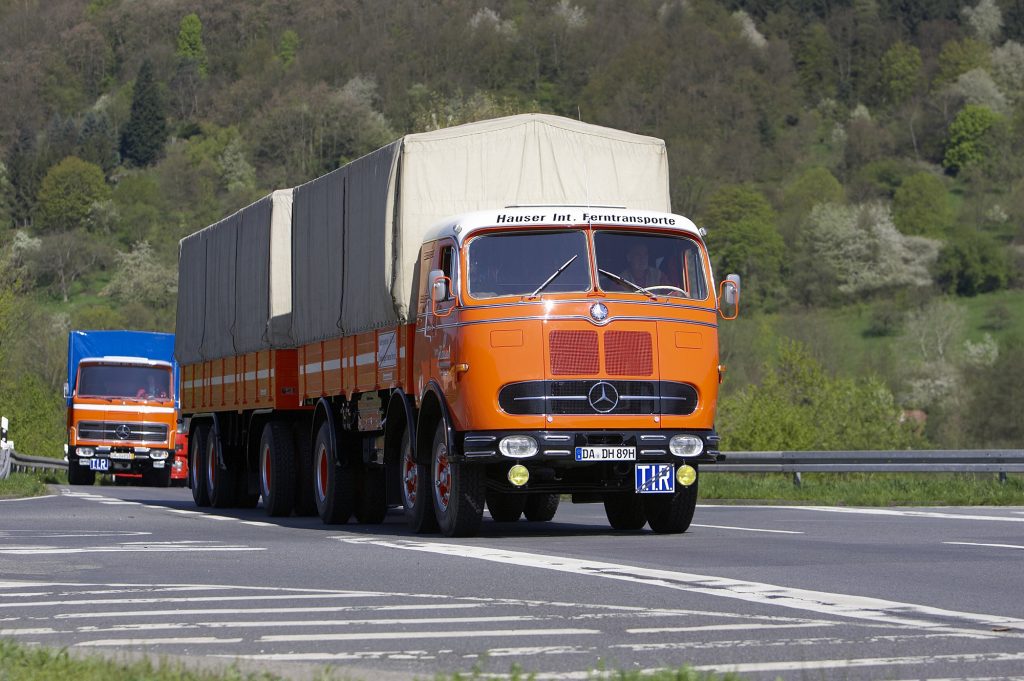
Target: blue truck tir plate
[{"x": 655, "y": 478}]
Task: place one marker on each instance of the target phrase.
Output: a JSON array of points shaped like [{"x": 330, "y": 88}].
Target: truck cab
[{"x": 576, "y": 350}]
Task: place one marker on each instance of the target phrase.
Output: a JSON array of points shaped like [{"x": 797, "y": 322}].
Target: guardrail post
[
  {"x": 1002, "y": 477},
  {"x": 797, "y": 480}
]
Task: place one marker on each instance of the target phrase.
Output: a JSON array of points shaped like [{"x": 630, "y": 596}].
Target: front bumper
[
  {"x": 125, "y": 459},
  {"x": 556, "y": 447}
]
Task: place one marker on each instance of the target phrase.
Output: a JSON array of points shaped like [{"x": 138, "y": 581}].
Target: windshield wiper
[
  {"x": 552, "y": 277},
  {"x": 627, "y": 282}
]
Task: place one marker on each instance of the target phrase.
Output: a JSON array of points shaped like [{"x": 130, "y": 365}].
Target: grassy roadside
[
  {"x": 30, "y": 484},
  {"x": 866, "y": 489},
  {"x": 24, "y": 663}
]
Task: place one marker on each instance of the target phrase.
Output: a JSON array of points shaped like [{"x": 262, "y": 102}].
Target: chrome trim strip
[{"x": 569, "y": 318}]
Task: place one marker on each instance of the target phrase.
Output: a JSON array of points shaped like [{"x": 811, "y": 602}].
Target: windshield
[
  {"x": 670, "y": 265},
  {"x": 105, "y": 380},
  {"x": 519, "y": 264}
]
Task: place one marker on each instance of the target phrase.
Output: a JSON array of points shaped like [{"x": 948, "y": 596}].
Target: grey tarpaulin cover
[
  {"x": 345, "y": 261},
  {"x": 227, "y": 279}
]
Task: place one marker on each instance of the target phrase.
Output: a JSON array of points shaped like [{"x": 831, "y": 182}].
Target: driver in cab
[{"x": 639, "y": 270}]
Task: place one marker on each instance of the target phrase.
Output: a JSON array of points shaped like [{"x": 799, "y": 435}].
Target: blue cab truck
[{"x": 122, "y": 406}]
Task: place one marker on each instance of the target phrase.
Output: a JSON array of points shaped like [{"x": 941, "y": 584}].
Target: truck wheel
[
  {"x": 417, "y": 500},
  {"x": 371, "y": 496},
  {"x": 540, "y": 507},
  {"x": 458, "y": 490},
  {"x": 277, "y": 469},
  {"x": 220, "y": 481},
  {"x": 505, "y": 507},
  {"x": 80, "y": 475},
  {"x": 197, "y": 465},
  {"x": 305, "y": 503},
  {"x": 333, "y": 483},
  {"x": 671, "y": 513},
  {"x": 624, "y": 510}
]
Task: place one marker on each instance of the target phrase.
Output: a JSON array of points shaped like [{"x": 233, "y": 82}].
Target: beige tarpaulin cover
[
  {"x": 357, "y": 231},
  {"x": 337, "y": 255}
]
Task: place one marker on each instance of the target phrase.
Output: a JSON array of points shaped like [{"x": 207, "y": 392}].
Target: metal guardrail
[
  {"x": 1001, "y": 461},
  {"x": 13, "y": 462}
]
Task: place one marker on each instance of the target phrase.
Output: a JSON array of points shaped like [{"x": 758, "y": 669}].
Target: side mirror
[
  {"x": 67, "y": 391},
  {"x": 729, "y": 297},
  {"x": 440, "y": 288}
]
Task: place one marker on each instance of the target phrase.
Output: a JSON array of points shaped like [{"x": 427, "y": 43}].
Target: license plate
[
  {"x": 124, "y": 456},
  {"x": 99, "y": 464},
  {"x": 606, "y": 453},
  {"x": 655, "y": 478}
]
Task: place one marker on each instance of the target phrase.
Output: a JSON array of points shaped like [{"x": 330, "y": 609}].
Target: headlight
[
  {"x": 518, "y": 446},
  {"x": 158, "y": 454},
  {"x": 686, "y": 445},
  {"x": 85, "y": 451}
]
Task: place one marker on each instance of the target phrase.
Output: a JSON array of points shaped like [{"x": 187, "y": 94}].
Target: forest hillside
[{"x": 859, "y": 162}]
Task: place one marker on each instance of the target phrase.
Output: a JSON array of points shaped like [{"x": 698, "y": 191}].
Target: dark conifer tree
[
  {"x": 145, "y": 134},
  {"x": 24, "y": 172},
  {"x": 97, "y": 141}
]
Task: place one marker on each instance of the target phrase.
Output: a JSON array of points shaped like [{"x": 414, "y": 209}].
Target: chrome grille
[
  {"x": 109, "y": 430},
  {"x": 598, "y": 397}
]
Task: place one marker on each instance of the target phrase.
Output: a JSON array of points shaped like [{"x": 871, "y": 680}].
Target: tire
[
  {"x": 277, "y": 469},
  {"x": 540, "y": 507},
  {"x": 625, "y": 511},
  {"x": 79, "y": 475},
  {"x": 157, "y": 477},
  {"x": 417, "y": 501},
  {"x": 671, "y": 513},
  {"x": 505, "y": 507},
  {"x": 333, "y": 481},
  {"x": 220, "y": 480},
  {"x": 371, "y": 496},
  {"x": 305, "y": 503},
  {"x": 458, "y": 490},
  {"x": 197, "y": 465}
]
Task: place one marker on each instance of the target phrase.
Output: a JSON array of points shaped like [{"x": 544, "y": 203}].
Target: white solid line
[
  {"x": 971, "y": 543},
  {"x": 27, "y": 632},
  {"x": 411, "y": 635},
  {"x": 156, "y": 641},
  {"x": 126, "y": 549},
  {"x": 730, "y": 627},
  {"x": 195, "y": 599},
  {"x": 271, "y": 624},
  {"x": 45, "y": 496},
  {"x": 881, "y": 511},
  {"x": 840, "y": 605},
  {"x": 746, "y": 529},
  {"x": 796, "y": 665},
  {"x": 268, "y": 611}
]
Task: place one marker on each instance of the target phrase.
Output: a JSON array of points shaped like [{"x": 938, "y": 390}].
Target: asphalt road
[{"x": 769, "y": 592}]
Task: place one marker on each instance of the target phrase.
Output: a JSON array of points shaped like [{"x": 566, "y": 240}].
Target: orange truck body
[{"x": 529, "y": 367}]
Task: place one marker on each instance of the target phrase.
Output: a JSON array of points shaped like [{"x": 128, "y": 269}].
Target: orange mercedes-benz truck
[{"x": 498, "y": 315}]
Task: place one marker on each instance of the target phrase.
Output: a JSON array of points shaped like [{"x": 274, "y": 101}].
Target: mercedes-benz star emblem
[
  {"x": 599, "y": 312},
  {"x": 123, "y": 432},
  {"x": 603, "y": 397}
]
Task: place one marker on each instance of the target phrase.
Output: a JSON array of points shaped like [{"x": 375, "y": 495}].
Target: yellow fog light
[
  {"x": 518, "y": 475},
  {"x": 686, "y": 475}
]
